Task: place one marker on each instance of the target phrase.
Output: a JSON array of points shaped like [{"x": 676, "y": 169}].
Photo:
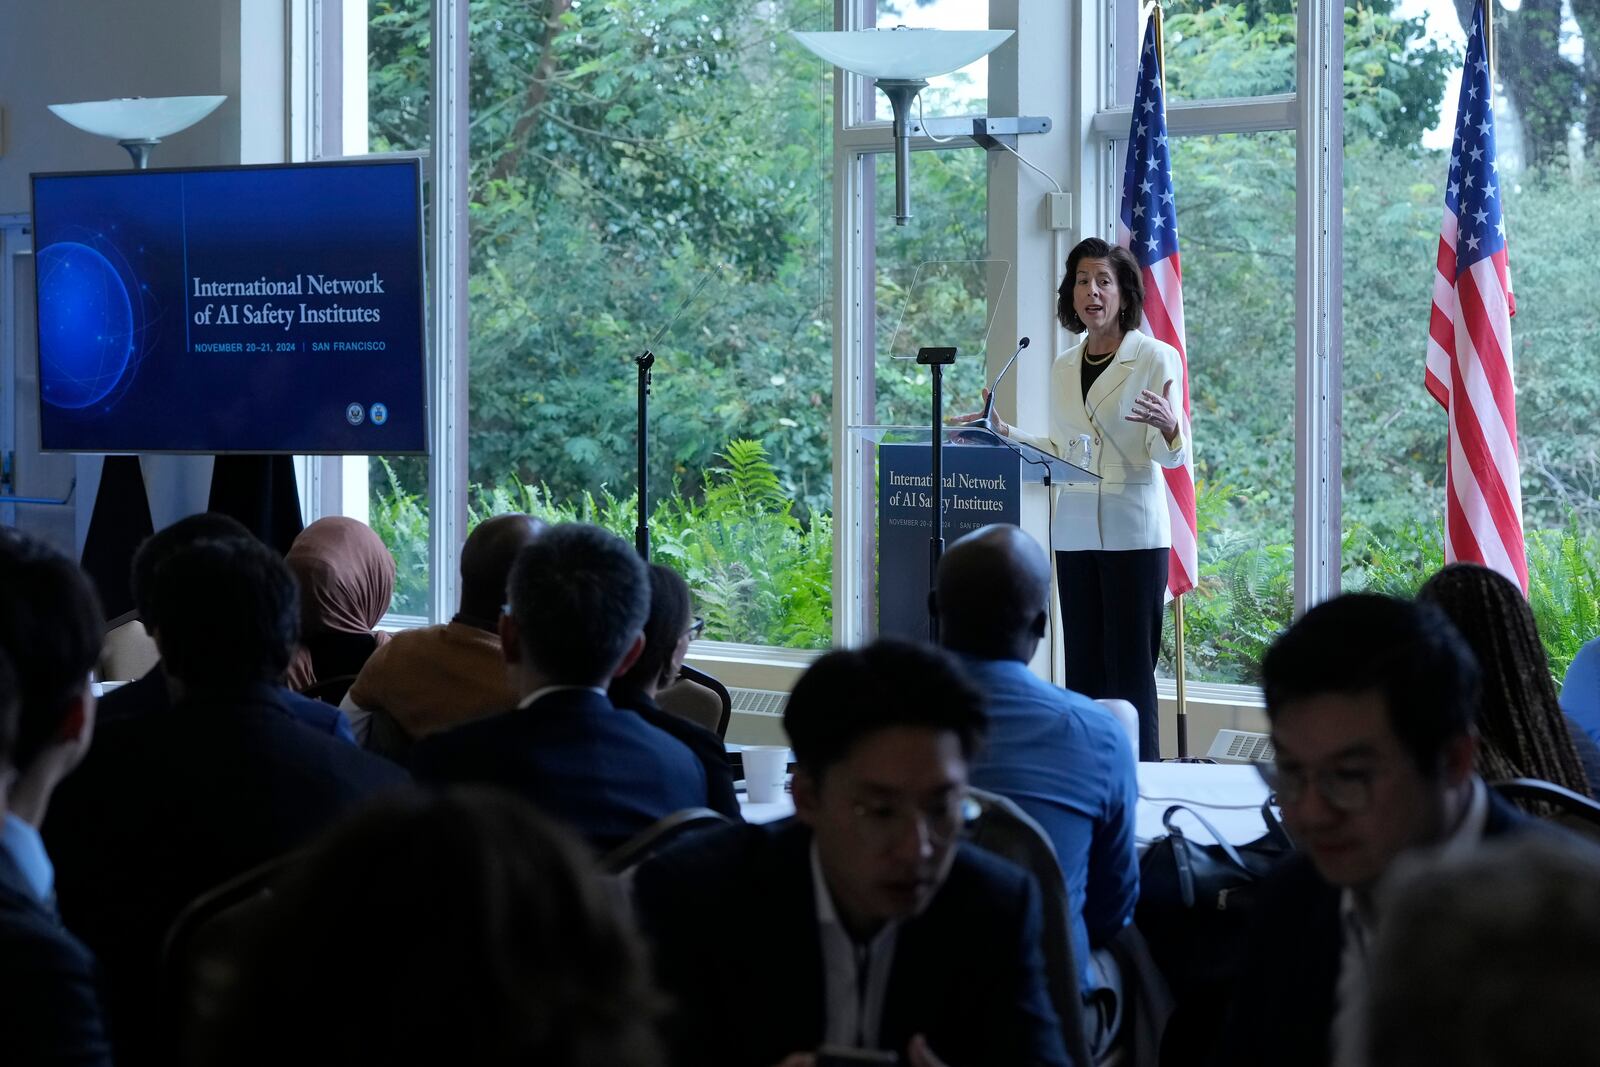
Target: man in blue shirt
[
  {"x": 1063, "y": 758},
  {"x": 50, "y": 1010}
]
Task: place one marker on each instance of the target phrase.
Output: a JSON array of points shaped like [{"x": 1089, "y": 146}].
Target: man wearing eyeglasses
[
  {"x": 1371, "y": 701},
  {"x": 862, "y": 924}
]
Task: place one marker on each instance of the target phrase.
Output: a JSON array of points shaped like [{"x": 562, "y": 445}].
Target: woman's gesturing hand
[
  {"x": 995, "y": 420},
  {"x": 1156, "y": 410}
]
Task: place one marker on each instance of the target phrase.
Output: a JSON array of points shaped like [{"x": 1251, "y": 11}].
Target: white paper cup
[{"x": 764, "y": 768}]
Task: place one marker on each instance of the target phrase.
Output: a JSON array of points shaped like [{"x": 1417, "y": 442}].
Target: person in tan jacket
[{"x": 435, "y": 677}]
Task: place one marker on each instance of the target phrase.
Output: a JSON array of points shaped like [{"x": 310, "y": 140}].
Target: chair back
[
  {"x": 388, "y": 738},
  {"x": 700, "y": 698},
  {"x": 1127, "y": 717},
  {"x": 1573, "y": 811},
  {"x": 1000, "y": 827},
  {"x": 659, "y": 835},
  {"x": 128, "y": 651},
  {"x": 200, "y": 958}
]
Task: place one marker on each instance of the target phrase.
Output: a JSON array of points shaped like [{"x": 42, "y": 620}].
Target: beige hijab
[{"x": 346, "y": 577}]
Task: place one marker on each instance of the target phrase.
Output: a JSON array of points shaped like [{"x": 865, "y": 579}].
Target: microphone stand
[
  {"x": 641, "y": 533},
  {"x": 645, "y": 361},
  {"x": 936, "y": 360}
]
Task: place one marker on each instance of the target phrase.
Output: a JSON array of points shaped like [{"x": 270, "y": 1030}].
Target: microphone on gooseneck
[{"x": 987, "y": 422}]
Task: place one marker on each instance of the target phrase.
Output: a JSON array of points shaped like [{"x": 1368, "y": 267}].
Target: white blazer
[{"x": 1127, "y": 508}]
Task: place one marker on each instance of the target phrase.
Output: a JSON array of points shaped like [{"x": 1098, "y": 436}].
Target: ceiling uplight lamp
[
  {"x": 138, "y": 123},
  {"x": 901, "y": 61}
]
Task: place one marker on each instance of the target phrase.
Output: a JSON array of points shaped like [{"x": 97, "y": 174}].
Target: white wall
[{"x": 62, "y": 51}]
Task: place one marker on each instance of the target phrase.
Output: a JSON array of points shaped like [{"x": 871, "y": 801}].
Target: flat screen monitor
[{"x": 259, "y": 309}]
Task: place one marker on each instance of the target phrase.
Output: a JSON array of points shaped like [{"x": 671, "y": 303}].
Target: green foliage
[{"x": 759, "y": 575}]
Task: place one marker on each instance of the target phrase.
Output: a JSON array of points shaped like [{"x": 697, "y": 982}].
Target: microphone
[{"x": 987, "y": 421}]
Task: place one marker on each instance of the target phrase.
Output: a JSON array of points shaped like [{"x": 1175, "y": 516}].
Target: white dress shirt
[
  {"x": 1359, "y": 921},
  {"x": 855, "y": 976}
]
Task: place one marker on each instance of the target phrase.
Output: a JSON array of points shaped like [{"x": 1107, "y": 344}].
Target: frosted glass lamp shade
[
  {"x": 903, "y": 54},
  {"x": 138, "y": 118}
]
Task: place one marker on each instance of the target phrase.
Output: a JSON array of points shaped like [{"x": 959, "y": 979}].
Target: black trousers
[{"x": 1111, "y": 628}]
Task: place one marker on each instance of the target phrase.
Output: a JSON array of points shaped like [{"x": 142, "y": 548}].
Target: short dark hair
[
  {"x": 993, "y": 584},
  {"x": 579, "y": 596},
  {"x": 850, "y": 694},
  {"x": 1408, "y": 653},
  {"x": 543, "y": 965},
  {"x": 1129, "y": 281},
  {"x": 663, "y": 629},
  {"x": 51, "y": 626},
  {"x": 229, "y": 611},
  {"x": 486, "y": 562},
  {"x": 206, "y": 526}
]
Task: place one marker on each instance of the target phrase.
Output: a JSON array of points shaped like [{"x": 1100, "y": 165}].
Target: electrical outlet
[{"x": 1058, "y": 206}]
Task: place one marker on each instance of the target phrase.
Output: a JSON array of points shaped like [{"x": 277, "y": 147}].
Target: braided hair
[{"x": 1522, "y": 729}]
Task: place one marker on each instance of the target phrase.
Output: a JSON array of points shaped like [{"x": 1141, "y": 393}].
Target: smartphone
[{"x": 834, "y": 1056}]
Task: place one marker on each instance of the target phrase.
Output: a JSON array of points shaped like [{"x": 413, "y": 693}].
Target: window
[{"x": 1397, "y": 142}]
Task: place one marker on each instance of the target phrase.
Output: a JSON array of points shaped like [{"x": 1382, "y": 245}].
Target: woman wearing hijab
[{"x": 346, "y": 577}]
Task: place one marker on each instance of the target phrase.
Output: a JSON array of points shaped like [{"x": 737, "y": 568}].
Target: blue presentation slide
[{"x": 243, "y": 309}]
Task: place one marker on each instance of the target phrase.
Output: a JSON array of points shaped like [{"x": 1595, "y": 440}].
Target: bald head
[
  {"x": 486, "y": 561},
  {"x": 993, "y": 594}
]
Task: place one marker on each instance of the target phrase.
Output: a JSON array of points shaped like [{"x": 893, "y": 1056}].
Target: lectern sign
[{"x": 980, "y": 487}]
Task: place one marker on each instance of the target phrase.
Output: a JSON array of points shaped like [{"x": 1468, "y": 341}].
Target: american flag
[
  {"x": 1469, "y": 340},
  {"x": 1149, "y": 229}
]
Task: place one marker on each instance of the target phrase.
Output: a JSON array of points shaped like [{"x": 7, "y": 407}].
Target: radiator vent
[
  {"x": 1239, "y": 746},
  {"x": 758, "y": 701}
]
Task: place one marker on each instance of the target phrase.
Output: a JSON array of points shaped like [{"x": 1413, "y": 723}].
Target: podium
[{"x": 982, "y": 476}]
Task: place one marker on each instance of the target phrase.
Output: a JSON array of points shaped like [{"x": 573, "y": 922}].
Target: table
[{"x": 1229, "y": 795}]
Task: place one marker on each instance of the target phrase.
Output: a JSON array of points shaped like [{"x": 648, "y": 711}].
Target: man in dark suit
[
  {"x": 168, "y": 806},
  {"x": 863, "y": 922},
  {"x": 50, "y": 1009},
  {"x": 148, "y": 694},
  {"x": 578, "y": 601},
  {"x": 1371, "y": 701}
]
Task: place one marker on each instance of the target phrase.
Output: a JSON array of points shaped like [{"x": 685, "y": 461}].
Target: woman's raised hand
[
  {"x": 999, "y": 424},
  {"x": 1155, "y": 409}
]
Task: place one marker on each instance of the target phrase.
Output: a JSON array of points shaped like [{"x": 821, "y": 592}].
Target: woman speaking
[{"x": 1111, "y": 537}]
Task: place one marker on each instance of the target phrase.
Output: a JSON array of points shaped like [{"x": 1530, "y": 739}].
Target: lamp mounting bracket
[{"x": 990, "y": 132}]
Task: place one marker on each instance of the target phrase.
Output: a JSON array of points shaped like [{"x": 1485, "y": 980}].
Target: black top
[
  {"x": 49, "y": 1008},
  {"x": 1092, "y": 371},
  {"x": 968, "y": 971},
  {"x": 339, "y": 655},
  {"x": 167, "y": 806}
]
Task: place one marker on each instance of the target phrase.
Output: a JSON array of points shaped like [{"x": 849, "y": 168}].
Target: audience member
[
  {"x": 435, "y": 677},
  {"x": 168, "y": 806},
  {"x": 1522, "y": 732},
  {"x": 458, "y": 929},
  {"x": 1490, "y": 958},
  {"x": 863, "y": 922},
  {"x": 1580, "y": 692},
  {"x": 1063, "y": 758},
  {"x": 668, "y": 630},
  {"x": 50, "y": 623},
  {"x": 1371, "y": 704},
  {"x": 148, "y": 694},
  {"x": 579, "y": 597},
  {"x": 346, "y": 577}
]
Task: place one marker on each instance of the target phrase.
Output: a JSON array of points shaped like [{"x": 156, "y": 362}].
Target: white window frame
[{"x": 1077, "y": 151}]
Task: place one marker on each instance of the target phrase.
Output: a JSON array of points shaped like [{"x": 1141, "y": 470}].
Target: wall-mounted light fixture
[{"x": 138, "y": 123}]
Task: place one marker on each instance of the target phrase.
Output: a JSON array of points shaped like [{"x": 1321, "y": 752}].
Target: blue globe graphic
[{"x": 85, "y": 325}]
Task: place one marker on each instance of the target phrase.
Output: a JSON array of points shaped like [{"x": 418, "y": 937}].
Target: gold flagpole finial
[{"x": 1161, "y": 56}]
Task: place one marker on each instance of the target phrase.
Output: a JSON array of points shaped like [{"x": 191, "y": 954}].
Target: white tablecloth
[{"x": 1228, "y": 795}]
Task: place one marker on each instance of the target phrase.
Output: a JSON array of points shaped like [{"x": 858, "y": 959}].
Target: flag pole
[
  {"x": 1177, "y": 601},
  {"x": 1183, "y": 703},
  {"x": 1488, "y": 39}
]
